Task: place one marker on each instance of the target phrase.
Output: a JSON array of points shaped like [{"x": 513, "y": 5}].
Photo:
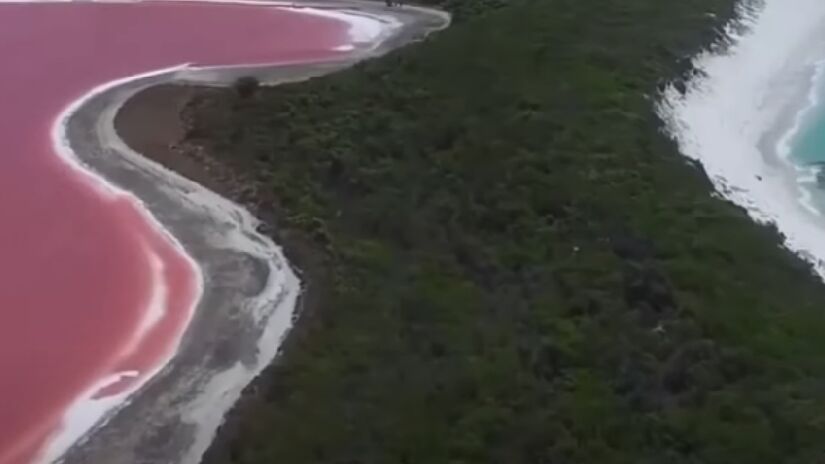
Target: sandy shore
[
  {"x": 250, "y": 291},
  {"x": 735, "y": 118}
]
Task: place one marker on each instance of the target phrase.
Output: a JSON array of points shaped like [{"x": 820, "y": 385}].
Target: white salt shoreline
[
  {"x": 739, "y": 116},
  {"x": 367, "y": 31},
  {"x": 86, "y": 413}
]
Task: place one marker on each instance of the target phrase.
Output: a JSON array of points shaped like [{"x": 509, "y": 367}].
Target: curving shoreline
[
  {"x": 250, "y": 292},
  {"x": 738, "y": 117}
]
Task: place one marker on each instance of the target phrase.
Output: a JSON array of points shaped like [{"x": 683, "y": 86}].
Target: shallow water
[
  {"x": 89, "y": 288},
  {"x": 806, "y": 145}
]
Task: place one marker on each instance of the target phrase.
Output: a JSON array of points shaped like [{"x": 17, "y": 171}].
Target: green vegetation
[
  {"x": 518, "y": 266},
  {"x": 246, "y": 87}
]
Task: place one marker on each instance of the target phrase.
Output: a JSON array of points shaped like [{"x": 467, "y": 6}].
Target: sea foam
[{"x": 739, "y": 115}]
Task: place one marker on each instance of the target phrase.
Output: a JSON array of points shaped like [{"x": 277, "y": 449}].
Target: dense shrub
[{"x": 520, "y": 268}]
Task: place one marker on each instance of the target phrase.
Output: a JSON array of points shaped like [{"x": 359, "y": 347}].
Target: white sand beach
[{"x": 739, "y": 113}]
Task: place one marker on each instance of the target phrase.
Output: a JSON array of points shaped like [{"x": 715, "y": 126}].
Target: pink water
[{"x": 76, "y": 272}]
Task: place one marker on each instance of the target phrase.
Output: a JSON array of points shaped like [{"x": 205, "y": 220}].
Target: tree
[{"x": 246, "y": 86}]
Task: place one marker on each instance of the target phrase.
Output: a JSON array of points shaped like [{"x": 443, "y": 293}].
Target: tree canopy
[{"x": 512, "y": 261}]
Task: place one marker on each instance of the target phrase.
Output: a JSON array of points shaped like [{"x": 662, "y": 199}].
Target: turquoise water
[{"x": 808, "y": 147}]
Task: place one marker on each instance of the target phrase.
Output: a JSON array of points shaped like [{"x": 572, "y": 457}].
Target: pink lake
[{"x": 80, "y": 269}]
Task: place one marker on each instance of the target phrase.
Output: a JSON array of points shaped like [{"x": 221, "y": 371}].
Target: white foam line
[
  {"x": 85, "y": 413},
  {"x": 364, "y": 28},
  {"x": 158, "y": 300},
  {"x": 805, "y": 176},
  {"x": 746, "y": 93},
  {"x": 783, "y": 146},
  {"x": 156, "y": 306},
  {"x": 282, "y": 288},
  {"x": 88, "y": 410},
  {"x": 273, "y": 307}
]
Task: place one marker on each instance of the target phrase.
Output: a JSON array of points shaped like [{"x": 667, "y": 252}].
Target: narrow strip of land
[
  {"x": 519, "y": 265},
  {"x": 250, "y": 290}
]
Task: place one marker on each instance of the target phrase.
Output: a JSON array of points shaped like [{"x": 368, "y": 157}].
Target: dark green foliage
[
  {"x": 522, "y": 267},
  {"x": 246, "y": 86},
  {"x": 463, "y": 10}
]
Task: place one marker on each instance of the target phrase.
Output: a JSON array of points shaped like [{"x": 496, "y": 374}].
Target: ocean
[
  {"x": 804, "y": 145},
  {"x": 752, "y": 123}
]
